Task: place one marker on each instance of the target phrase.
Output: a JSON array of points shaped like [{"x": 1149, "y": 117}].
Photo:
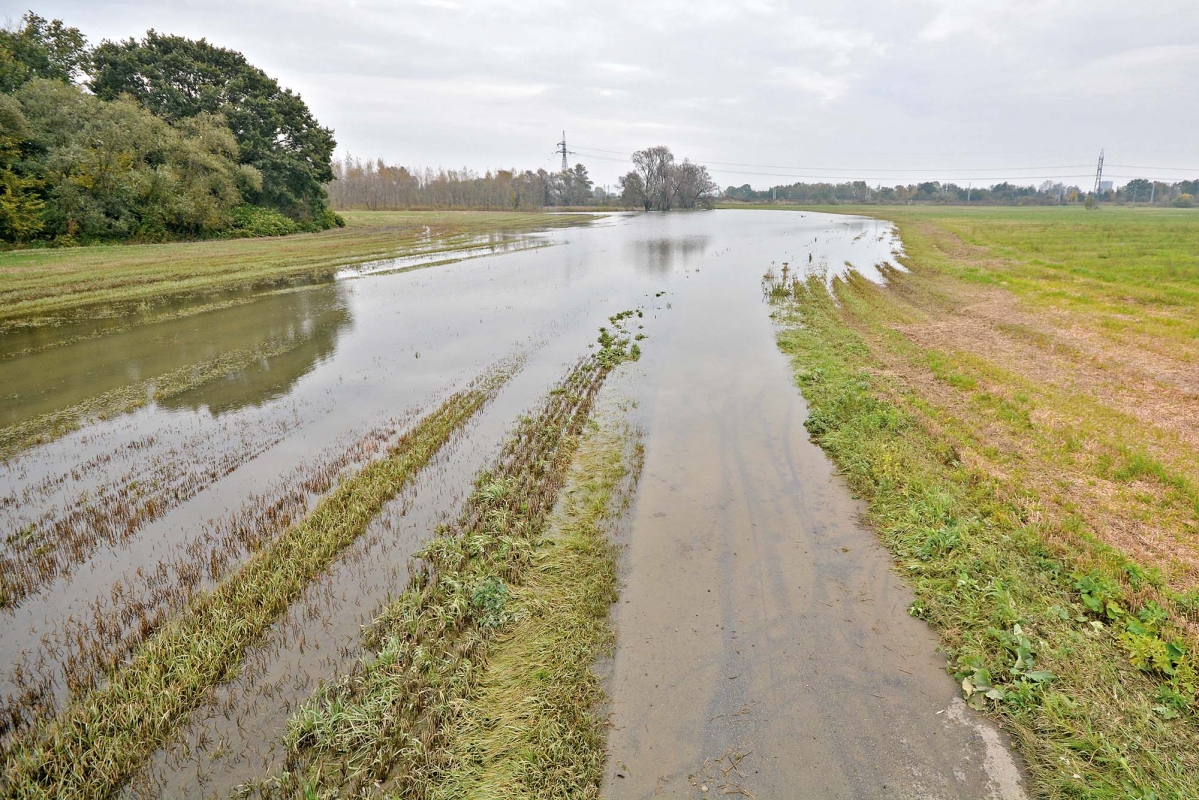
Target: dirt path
[{"x": 764, "y": 645}]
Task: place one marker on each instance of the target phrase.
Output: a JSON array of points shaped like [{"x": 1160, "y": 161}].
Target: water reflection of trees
[
  {"x": 659, "y": 257},
  {"x": 309, "y": 322}
]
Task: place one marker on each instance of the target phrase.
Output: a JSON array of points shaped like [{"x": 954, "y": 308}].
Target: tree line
[
  {"x": 152, "y": 139},
  {"x": 375, "y": 185},
  {"x": 657, "y": 182},
  {"x": 1180, "y": 194}
]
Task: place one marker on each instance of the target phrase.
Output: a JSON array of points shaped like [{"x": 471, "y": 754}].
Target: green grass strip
[
  {"x": 532, "y": 729},
  {"x": 387, "y": 725},
  {"x": 57, "y": 285},
  {"x": 1029, "y": 637},
  {"x": 97, "y": 742}
]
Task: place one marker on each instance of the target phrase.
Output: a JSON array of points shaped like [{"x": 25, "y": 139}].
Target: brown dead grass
[{"x": 1068, "y": 371}]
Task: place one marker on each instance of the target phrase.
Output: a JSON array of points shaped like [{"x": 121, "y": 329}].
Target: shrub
[{"x": 258, "y": 221}]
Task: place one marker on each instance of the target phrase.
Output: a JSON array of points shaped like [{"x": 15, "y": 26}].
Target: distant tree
[
  {"x": 1137, "y": 189},
  {"x": 632, "y": 191},
  {"x": 40, "y": 49},
  {"x": 692, "y": 185},
  {"x": 578, "y": 186},
  {"x": 178, "y": 78},
  {"x": 1183, "y": 200},
  {"x": 653, "y": 165}
]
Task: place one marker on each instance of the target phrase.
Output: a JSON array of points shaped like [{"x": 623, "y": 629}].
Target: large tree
[
  {"x": 178, "y": 78},
  {"x": 38, "y": 48},
  {"x": 112, "y": 170}
]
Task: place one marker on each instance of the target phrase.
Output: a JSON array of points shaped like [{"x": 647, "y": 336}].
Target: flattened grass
[{"x": 97, "y": 742}]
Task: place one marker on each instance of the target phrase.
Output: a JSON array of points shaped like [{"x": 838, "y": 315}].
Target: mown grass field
[
  {"x": 1020, "y": 410},
  {"x": 59, "y": 282}
]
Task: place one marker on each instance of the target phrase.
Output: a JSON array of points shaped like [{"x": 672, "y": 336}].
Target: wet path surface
[{"x": 763, "y": 641}]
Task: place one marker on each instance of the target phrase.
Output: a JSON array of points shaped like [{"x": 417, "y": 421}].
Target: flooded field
[{"x": 189, "y": 445}]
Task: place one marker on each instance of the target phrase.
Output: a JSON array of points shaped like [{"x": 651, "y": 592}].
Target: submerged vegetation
[
  {"x": 1000, "y": 406},
  {"x": 402, "y": 718},
  {"x": 100, "y": 739},
  {"x": 43, "y": 287}
]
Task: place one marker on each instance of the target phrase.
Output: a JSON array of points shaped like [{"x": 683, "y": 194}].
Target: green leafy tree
[
  {"x": 112, "y": 170},
  {"x": 20, "y": 206},
  {"x": 178, "y": 78},
  {"x": 38, "y": 48},
  {"x": 1137, "y": 189}
]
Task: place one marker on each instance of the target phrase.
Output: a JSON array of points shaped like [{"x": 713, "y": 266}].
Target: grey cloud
[{"x": 946, "y": 85}]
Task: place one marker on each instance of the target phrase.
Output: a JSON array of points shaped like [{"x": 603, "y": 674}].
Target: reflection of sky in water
[{"x": 833, "y": 246}]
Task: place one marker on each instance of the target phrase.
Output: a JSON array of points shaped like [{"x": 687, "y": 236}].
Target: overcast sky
[{"x": 762, "y": 92}]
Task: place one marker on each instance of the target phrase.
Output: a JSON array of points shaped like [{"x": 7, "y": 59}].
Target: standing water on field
[{"x": 735, "y": 630}]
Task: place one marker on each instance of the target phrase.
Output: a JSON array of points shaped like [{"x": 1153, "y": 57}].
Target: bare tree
[
  {"x": 653, "y": 165},
  {"x": 692, "y": 185}
]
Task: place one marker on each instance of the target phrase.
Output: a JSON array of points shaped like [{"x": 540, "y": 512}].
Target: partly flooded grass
[
  {"x": 535, "y": 724},
  {"x": 75, "y": 653},
  {"x": 54, "y": 286},
  {"x": 391, "y": 722},
  {"x": 99, "y": 740},
  {"x": 1023, "y": 507}
]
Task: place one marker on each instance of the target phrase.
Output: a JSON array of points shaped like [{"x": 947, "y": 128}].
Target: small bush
[
  {"x": 258, "y": 221},
  {"x": 1184, "y": 200}
]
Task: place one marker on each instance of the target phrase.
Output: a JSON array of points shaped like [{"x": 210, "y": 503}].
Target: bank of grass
[
  {"x": 56, "y": 285},
  {"x": 96, "y": 743},
  {"x": 998, "y": 425}
]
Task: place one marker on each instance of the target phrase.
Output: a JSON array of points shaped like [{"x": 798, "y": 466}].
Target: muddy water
[
  {"x": 764, "y": 643},
  {"x": 745, "y": 624}
]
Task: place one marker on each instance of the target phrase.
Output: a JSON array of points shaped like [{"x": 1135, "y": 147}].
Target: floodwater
[{"x": 759, "y": 622}]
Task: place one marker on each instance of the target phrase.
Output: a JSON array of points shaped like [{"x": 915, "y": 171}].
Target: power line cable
[{"x": 844, "y": 170}]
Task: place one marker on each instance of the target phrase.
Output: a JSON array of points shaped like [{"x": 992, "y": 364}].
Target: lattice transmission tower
[{"x": 562, "y": 149}]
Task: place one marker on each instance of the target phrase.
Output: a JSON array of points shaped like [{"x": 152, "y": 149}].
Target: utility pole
[
  {"x": 1152, "y": 191},
  {"x": 562, "y": 150},
  {"x": 1098, "y": 172}
]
